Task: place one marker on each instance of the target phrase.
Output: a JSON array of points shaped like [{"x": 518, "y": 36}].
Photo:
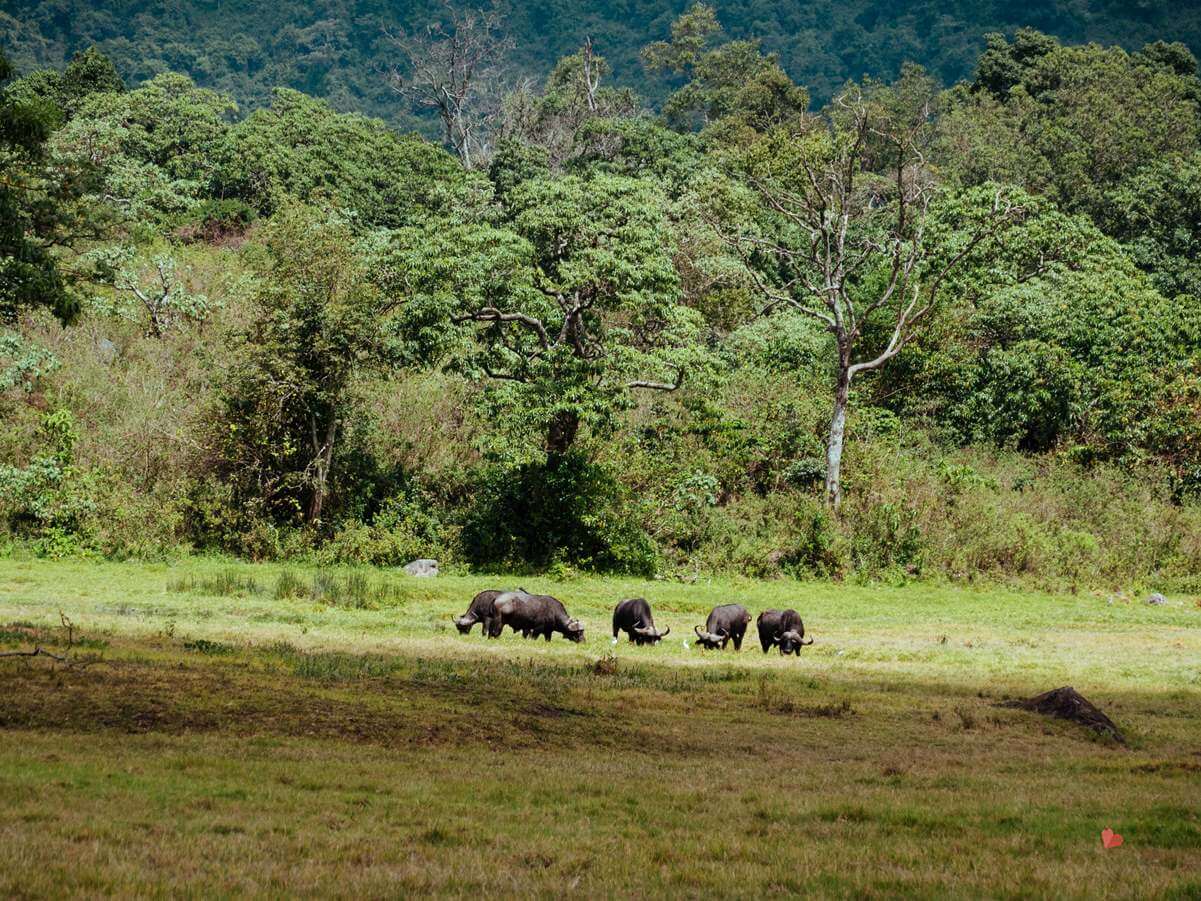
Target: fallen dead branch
[{"x": 67, "y": 658}]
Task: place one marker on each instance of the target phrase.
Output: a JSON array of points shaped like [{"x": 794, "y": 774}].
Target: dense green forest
[
  {"x": 763, "y": 324},
  {"x": 341, "y": 51}
]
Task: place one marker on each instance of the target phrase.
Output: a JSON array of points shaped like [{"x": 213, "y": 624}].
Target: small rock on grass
[
  {"x": 1157, "y": 600},
  {"x": 422, "y": 568}
]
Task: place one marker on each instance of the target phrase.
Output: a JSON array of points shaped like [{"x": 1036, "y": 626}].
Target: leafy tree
[
  {"x": 1056, "y": 340},
  {"x": 514, "y": 163},
  {"x": 155, "y": 150},
  {"x": 641, "y": 147},
  {"x": 731, "y": 89},
  {"x": 320, "y": 324},
  {"x": 564, "y": 309},
  {"x": 1156, "y": 213},
  {"x": 1005, "y": 64},
  {"x": 692, "y": 34},
  {"x": 35, "y": 211},
  {"x": 1072, "y": 122},
  {"x": 300, "y": 148},
  {"x": 826, "y": 235},
  {"x": 89, "y": 72}
]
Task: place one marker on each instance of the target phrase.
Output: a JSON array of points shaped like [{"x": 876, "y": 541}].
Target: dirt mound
[{"x": 1068, "y": 704}]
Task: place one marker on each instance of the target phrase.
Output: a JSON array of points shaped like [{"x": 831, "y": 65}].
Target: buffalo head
[
  {"x": 649, "y": 635},
  {"x": 710, "y": 640},
  {"x": 575, "y": 630},
  {"x": 464, "y": 623},
  {"x": 791, "y": 642}
]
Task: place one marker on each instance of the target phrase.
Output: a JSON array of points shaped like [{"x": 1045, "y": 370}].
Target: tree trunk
[
  {"x": 838, "y": 426},
  {"x": 323, "y": 459},
  {"x": 317, "y": 501},
  {"x": 560, "y": 435}
]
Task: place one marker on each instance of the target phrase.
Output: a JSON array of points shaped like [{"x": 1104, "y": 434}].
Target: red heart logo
[{"x": 1109, "y": 838}]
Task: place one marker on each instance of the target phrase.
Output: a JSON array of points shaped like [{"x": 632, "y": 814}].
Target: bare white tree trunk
[
  {"x": 838, "y": 430},
  {"x": 832, "y": 234}
]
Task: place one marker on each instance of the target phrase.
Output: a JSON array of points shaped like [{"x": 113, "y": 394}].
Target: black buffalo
[
  {"x": 782, "y": 628},
  {"x": 480, "y": 611},
  {"x": 634, "y": 618},
  {"x": 725, "y": 623},
  {"x": 533, "y": 615}
]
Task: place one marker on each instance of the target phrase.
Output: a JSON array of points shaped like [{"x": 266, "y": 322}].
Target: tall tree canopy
[{"x": 566, "y": 305}]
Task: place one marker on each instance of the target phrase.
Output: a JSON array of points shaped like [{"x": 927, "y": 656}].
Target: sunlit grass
[{"x": 272, "y": 742}]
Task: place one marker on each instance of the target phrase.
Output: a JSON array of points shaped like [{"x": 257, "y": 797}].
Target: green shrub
[
  {"x": 404, "y": 529},
  {"x": 816, "y": 548},
  {"x": 884, "y": 537},
  {"x": 533, "y": 515},
  {"x": 49, "y": 500}
]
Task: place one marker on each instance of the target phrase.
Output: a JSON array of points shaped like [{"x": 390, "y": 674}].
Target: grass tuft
[
  {"x": 204, "y": 646},
  {"x": 288, "y": 586},
  {"x": 354, "y": 592},
  {"x": 225, "y": 584}
]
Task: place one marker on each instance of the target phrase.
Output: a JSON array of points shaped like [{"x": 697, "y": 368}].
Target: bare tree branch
[
  {"x": 454, "y": 69},
  {"x": 66, "y": 658},
  {"x": 660, "y": 386},
  {"x": 492, "y": 314},
  {"x": 847, "y": 221}
]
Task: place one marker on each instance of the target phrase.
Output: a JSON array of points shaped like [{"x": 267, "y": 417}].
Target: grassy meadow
[{"x": 253, "y": 729}]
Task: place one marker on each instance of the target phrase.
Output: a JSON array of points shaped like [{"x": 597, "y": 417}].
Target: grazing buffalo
[
  {"x": 782, "y": 628},
  {"x": 533, "y": 615},
  {"x": 480, "y": 612},
  {"x": 725, "y": 623},
  {"x": 634, "y": 618}
]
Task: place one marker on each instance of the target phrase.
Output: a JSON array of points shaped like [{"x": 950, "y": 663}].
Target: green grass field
[{"x": 232, "y": 741}]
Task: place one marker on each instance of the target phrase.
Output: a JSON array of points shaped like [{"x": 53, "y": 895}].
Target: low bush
[
  {"x": 725, "y": 480},
  {"x": 535, "y": 515}
]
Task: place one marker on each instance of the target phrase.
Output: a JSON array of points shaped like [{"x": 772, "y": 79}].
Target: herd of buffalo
[{"x": 540, "y": 614}]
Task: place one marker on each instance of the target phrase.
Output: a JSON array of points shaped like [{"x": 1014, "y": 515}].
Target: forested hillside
[
  {"x": 341, "y": 50},
  {"x": 909, "y": 330}
]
